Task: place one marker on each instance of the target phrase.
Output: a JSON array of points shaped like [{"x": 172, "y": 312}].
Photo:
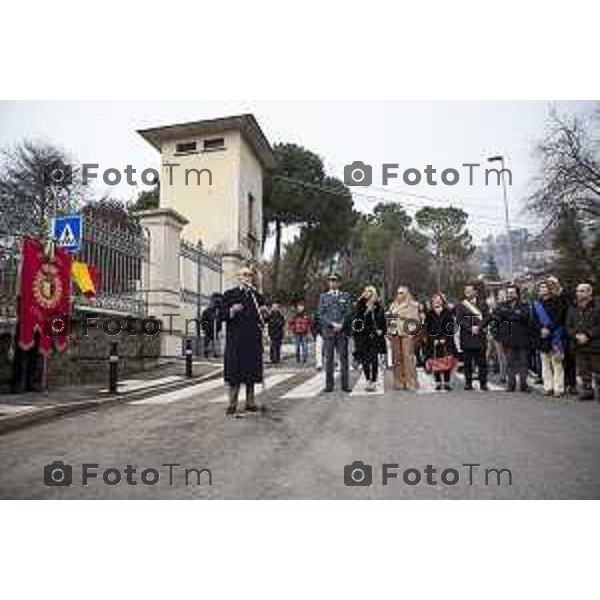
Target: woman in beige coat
[{"x": 404, "y": 324}]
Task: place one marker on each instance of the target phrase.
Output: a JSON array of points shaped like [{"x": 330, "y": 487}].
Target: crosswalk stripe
[
  {"x": 270, "y": 382},
  {"x": 494, "y": 387},
  {"x": 12, "y": 409},
  {"x": 360, "y": 387},
  {"x": 426, "y": 382},
  {"x": 131, "y": 385},
  {"x": 308, "y": 389},
  {"x": 188, "y": 392}
]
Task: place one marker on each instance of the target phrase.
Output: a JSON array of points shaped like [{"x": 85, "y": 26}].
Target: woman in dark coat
[
  {"x": 369, "y": 330},
  {"x": 244, "y": 343},
  {"x": 440, "y": 350}
]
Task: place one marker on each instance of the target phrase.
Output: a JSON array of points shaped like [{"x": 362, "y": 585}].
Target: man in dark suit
[
  {"x": 335, "y": 309},
  {"x": 473, "y": 317},
  {"x": 276, "y": 327},
  {"x": 515, "y": 331},
  {"x": 244, "y": 346},
  {"x": 583, "y": 326}
]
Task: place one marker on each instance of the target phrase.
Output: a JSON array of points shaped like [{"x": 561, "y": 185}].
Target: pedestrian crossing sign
[{"x": 67, "y": 232}]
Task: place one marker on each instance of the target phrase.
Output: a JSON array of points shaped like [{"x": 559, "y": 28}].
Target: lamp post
[{"x": 506, "y": 212}]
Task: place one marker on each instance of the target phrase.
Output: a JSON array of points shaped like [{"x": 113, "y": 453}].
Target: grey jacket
[{"x": 335, "y": 309}]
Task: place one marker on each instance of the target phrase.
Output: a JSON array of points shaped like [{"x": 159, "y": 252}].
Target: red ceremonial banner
[{"x": 45, "y": 297}]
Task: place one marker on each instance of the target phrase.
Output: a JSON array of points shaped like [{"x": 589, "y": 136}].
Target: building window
[
  {"x": 252, "y": 234},
  {"x": 251, "y": 208},
  {"x": 214, "y": 144},
  {"x": 185, "y": 147}
]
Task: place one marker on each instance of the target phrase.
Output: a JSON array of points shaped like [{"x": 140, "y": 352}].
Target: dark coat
[
  {"x": 316, "y": 326},
  {"x": 367, "y": 341},
  {"x": 557, "y": 311},
  {"x": 276, "y": 325},
  {"x": 440, "y": 328},
  {"x": 466, "y": 319},
  {"x": 210, "y": 322},
  {"x": 585, "y": 320},
  {"x": 515, "y": 327},
  {"x": 243, "y": 347}
]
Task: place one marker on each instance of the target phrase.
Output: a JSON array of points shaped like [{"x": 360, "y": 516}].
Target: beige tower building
[{"x": 212, "y": 175}]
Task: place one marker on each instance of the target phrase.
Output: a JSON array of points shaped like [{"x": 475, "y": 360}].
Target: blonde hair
[
  {"x": 373, "y": 290},
  {"x": 407, "y": 295}
]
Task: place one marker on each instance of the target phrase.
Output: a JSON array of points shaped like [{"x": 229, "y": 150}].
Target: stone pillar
[
  {"x": 163, "y": 280},
  {"x": 232, "y": 262}
]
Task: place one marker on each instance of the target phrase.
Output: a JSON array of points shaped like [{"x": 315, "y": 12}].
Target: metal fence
[
  {"x": 9, "y": 268},
  {"x": 201, "y": 276},
  {"x": 118, "y": 253}
]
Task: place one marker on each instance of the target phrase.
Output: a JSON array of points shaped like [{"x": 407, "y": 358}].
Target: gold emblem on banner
[{"x": 47, "y": 286}]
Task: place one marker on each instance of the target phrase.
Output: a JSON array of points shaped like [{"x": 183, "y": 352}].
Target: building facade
[
  {"x": 212, "y": 174},
  {"x": 209, "y": 221}
]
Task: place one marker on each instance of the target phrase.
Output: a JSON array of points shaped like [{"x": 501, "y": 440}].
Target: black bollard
[
  {"x": 113, "y": 364},
  {"x": 188, "y": 358}
]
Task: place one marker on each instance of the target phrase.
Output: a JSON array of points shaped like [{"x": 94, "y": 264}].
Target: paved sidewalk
[{"x": 18, "y": 410}]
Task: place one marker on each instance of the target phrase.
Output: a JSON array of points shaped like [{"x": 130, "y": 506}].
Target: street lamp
[{"x": 506, "y": 212}]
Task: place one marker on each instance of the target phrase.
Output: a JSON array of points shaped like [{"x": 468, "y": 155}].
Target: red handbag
[
  {"x": 446, "y": 362},
  {"x": 443, "y": 363}
]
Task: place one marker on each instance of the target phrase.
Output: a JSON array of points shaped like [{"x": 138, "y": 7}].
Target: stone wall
[{"x": 86, "y": 359}]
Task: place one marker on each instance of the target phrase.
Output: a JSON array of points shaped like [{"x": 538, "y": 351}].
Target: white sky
[{"x": 413, "y": 134}]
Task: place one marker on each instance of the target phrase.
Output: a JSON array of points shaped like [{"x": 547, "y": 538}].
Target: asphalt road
[{"x": 300, "y": 449}]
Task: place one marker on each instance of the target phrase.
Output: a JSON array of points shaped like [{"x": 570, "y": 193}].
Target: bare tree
[
  {"x": 568, "y": 193},
  {"x": 27, "y": 201}
]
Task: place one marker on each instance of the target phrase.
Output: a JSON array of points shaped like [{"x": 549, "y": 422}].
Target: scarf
[
  {"x": 472, "y": 308},
  {"x": 558, "y": 333}
]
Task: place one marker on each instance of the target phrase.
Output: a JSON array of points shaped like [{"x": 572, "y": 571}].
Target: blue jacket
[{"x": 335, "y": 309}]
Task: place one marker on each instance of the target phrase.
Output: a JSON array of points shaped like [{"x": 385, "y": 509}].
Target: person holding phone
[{"x": 369, "y": 331}]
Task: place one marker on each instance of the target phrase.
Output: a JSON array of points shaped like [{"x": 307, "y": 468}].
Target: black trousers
[
  {"x": 370, "y": 365},
  {"x": 588, "y": 365},
  {"x": 477, "y": 356},
  {"x": 517, "y": 364},
  {"x": 26, "y": 375},
  {"x": 570, "y": 366},
  {"x": 275, "y": 351},
  {"x": 332, "y": 342},
  {"x": 442, "y": 375}
]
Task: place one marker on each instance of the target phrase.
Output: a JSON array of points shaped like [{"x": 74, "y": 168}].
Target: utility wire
[{"x": 378, "y": 198}]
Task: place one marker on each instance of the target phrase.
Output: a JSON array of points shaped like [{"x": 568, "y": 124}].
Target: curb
[{"x": 56, "y": 411}]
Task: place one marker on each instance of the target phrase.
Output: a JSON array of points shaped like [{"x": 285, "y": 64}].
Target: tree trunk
[
  {"x": 277, "y": 255},
  {"x": 301, "y": 267}
]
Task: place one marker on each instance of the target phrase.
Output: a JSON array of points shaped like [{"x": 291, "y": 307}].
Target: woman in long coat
[
  {"x": 369, "y": 328},
  {"x": 244, "y": 340},
  {"x": 441, "y": 353},
  {"x": 404, "y": 325}
]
